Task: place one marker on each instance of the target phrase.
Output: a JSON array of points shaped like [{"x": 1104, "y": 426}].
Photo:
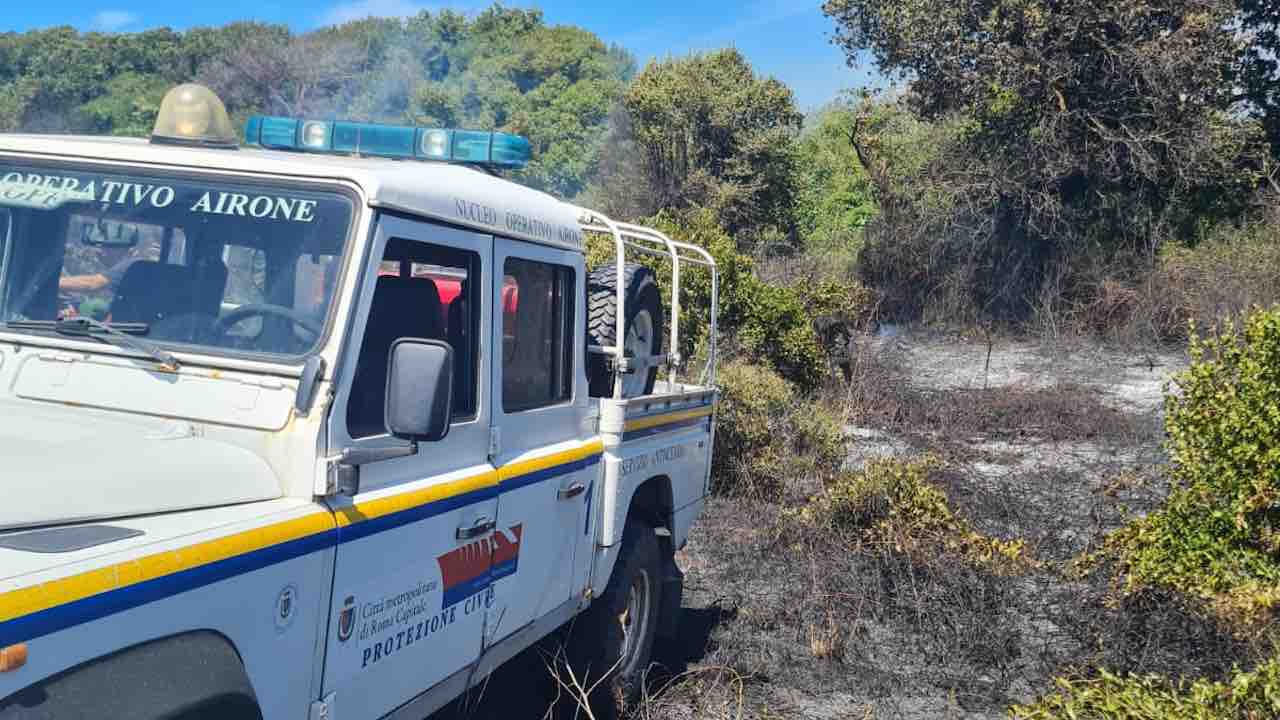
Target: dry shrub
[
  {"x": 711, "y": 693},
  {"x": 893, "y": 501},
  {"x": 1220, "y": 279},
  {"x": 767, "y": 433},
  {"x": 1230, "y": 271},
  {"x": 828, "y": 638}
]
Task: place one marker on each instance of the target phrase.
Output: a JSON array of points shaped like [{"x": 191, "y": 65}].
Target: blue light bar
[{"x": 472, "y": 147}]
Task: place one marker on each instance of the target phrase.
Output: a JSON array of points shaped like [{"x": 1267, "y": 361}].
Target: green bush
[
  {"x": 768, "y": 323},
  {"x": 849, "y": 301},
  {"x": 1215, "y": 537},
  {"x": 699, "y": 228},
  {"x": 775, "y": 327},
  {"x": 766, "y": 433},
  {"x": 1244, "y": 696}
]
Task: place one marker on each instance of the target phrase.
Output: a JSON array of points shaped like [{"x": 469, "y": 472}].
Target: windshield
[{"x": 182, "y": 261}]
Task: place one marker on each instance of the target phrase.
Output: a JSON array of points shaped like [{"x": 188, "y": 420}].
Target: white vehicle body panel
[
  {"x": 42, "y": 441},
  {"x": 155, "y": 590},
  {"x": 326, "y": 598},
  {"x": 541, "y": 453},
  {"x": 412, "y": 629},
  {"x": 663, "y": 436}
]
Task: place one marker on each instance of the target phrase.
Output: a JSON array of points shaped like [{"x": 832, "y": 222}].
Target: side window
[
  {"x": 537, "y": 343},
  {"x": 422, "y": 291}
]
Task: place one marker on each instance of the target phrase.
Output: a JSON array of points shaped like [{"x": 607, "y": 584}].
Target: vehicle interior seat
[
  {"x": 459, "y": 340},
  {"x": 177, "y": 301},
  {"x": 402, "y": 307}
]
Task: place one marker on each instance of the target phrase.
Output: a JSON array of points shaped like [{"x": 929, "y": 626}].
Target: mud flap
[{"x": 672, "y": 598}]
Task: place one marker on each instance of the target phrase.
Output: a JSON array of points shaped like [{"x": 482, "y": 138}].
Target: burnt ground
[{"x": 1055, "y": 446}]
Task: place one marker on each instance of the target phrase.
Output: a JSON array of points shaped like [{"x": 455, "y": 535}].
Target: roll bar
[{"x": 652, "y": 242}]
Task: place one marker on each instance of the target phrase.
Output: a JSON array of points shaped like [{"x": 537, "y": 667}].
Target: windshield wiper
[{"x": 119, "y": 334}]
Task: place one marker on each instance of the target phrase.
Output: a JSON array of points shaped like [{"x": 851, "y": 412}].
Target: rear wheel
[
  {"x": 643, "y": 327},
  {"x": 613, "y": 640}
]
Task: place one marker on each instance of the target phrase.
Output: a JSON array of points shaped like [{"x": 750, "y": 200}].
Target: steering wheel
[{"x": 244, "y": 312}]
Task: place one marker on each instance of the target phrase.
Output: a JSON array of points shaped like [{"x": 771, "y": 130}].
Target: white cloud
[
  {"x": 113, "y": 20},
  {"x": 361, "y": 9}
]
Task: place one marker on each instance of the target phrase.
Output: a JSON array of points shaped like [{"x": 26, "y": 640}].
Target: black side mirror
[{"x": 419, "y": 389}]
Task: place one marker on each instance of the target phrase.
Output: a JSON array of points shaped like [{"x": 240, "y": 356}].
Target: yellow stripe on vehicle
[
  {"x": 401, "y": 502},
  {"x": 25, "y": 601},
  {"x": 50, "y": 606},
  {"x": 656, "y": 420},
  {"x": 526, "y": 467}
]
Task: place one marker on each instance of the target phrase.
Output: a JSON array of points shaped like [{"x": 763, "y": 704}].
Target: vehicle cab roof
[{"x": 456, "y": 194}]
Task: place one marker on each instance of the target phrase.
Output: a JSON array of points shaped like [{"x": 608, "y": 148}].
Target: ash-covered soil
[{"x": 1055, "y": 446}]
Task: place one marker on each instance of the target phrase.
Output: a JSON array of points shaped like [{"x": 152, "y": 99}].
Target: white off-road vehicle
[{"x": 329, "y": 426}]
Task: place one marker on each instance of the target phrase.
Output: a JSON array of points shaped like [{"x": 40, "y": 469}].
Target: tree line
[
  {"x": 502, "y": 69},
  {"x": 1034, "y": 156}
]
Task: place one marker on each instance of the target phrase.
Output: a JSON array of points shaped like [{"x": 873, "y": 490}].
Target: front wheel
[{"x": 613, "y": 640}]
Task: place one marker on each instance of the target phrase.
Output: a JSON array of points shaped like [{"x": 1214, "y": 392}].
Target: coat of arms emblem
[{"x": 347, "y": 619}]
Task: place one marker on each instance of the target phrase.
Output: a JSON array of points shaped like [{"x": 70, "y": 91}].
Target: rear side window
[{"x": 537, "y": 348}]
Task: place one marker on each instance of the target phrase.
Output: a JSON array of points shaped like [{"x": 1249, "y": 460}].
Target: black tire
[
  {"x": 597, "y": 641},
  {"x": 602, "y": 320}
]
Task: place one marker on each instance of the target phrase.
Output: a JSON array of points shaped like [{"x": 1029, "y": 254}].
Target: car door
[
  {"x": 411, "y": 575},
  {"x": 545, "y": 454}
]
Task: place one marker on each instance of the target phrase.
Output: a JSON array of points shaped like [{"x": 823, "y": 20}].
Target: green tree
[
  {"x": 503, "y": 69},
  {"x": 834, "y": 195},
  {"x": 129, "y": 105},
  {"x": 284, "y": 74},
  {"x": 713, "y": 134},
  {"x": 1084, "y": 127},
  {"x": 1256, "y": 79},
  {"x": 57, "y": 69}
]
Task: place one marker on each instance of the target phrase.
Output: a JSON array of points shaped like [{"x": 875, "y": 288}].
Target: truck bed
[{"x": 667, "y": 437}]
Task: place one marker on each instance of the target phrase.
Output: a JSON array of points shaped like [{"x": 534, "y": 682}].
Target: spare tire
[{"x": 643, "y": 326}]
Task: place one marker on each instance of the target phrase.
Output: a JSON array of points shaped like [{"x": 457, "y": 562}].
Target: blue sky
[{"x": 789, "y": 39}]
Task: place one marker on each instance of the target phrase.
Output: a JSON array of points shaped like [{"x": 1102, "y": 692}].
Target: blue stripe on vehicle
[
  {"x": 545, "y": 474},
  {"x": 365, "y": 528},
  {"x": 111, "y": 602}
]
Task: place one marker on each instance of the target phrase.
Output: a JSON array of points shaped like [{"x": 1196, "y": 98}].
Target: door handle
[
  {"x": 481, "y": 526},
  {"x": 572, "y": 491}
]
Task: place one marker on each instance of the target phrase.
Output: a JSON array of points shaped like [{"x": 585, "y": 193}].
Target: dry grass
[{"x": 1139, "y": 302}]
